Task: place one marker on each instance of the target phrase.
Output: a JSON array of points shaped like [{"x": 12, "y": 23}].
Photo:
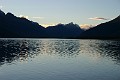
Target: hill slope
[
  {"x": 12, "y": 26},
  {"x": 108, "y": 30},
  {"x": 16, "y": 27}
]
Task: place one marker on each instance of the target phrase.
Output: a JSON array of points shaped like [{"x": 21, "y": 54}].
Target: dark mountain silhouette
[
  {"x": 64, "y": 30},
  {"x": 12, "y": 26},
  {"x": 16, "y": 27},
  {"x": 108, "y": 30}
]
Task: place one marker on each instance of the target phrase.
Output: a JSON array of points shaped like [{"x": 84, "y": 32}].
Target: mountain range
[
  {"x": 20, "y": 27},
  {"x": 13, "y": 27},
  {"x": 64, "y": 31}
]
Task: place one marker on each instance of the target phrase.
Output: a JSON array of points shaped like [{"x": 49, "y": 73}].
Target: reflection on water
[
  {"x": 66, "y": 58},
  {"x": 64, "y": 48},
  {"x": 102, "y": 48},
  {"x": 109, "y": 49},
  {"x": 11, "y": 50}
]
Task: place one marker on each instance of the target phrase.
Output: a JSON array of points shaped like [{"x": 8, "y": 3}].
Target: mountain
[
  {"x": 108, "y": 30},
  {"x": 16, "y": 27},
  {"x": 64, "y": 30}
]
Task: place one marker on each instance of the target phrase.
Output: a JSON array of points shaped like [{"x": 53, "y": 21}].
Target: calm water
[{"x": 44, "y": 59}]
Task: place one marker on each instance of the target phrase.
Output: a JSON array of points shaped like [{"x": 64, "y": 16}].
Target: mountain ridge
[
  {"x": 108, "y": 30},
  {"x": 20, "y": 27}
]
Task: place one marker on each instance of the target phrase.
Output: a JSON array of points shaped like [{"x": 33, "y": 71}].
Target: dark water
[{"x": 44, "y": 59}]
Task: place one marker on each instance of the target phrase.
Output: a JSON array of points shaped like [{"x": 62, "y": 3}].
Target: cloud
[
  {"x": 86, "y": 26},
  {"x": 27, "y": 17},
  {"x": 22, "y": 16},
  {"x": 98, "y": 18},
  {"x": 47, "y": 25},
  {"x": 38, "y": 17}
]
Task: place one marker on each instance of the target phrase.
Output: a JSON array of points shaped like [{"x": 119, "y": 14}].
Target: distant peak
[
  {"x": 1, "y": 12},
  {"x": 60, "y": 24},
  {"x": 71, "y": 23},
  {"x": 10, "y": 14},
  {"x": 117, "y": 18}
]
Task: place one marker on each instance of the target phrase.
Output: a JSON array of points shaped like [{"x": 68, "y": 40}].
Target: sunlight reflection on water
[{"x": 53, "y": 59}]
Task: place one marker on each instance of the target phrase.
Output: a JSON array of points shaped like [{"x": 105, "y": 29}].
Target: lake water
[{"x": 53, "y": 59}]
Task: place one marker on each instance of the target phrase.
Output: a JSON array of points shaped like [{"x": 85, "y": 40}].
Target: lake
[{"x": 59, "y": 59}]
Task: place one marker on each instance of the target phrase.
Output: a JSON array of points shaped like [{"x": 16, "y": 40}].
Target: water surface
[{"x": 53, "y": 59}]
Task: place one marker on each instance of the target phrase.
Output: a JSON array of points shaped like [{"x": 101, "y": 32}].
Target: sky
[{"x": 50, "y": 12}]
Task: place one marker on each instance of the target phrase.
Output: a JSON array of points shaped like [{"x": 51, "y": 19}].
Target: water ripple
[{"x": 14, "y": 50}]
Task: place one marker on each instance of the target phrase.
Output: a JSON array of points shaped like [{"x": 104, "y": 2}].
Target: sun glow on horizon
[
  {"x": 47, "y": 25},
  {"x": 64, "y": 11},
  {"x": 82, "y": 26},
  {"x": 22, "y": 16}
]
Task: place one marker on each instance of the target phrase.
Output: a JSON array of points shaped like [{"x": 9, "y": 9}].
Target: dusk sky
[{"x": 50, "y": 12}]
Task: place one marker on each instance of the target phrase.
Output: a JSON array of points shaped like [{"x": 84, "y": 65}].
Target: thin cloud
[
  {"x": 98, "y": 18},
  {"x": 38, "y": 17},
  {"x": 47, "y": 25},
  {"x": 22, "y": 16},
  {"x": 86, "y": 26}
]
